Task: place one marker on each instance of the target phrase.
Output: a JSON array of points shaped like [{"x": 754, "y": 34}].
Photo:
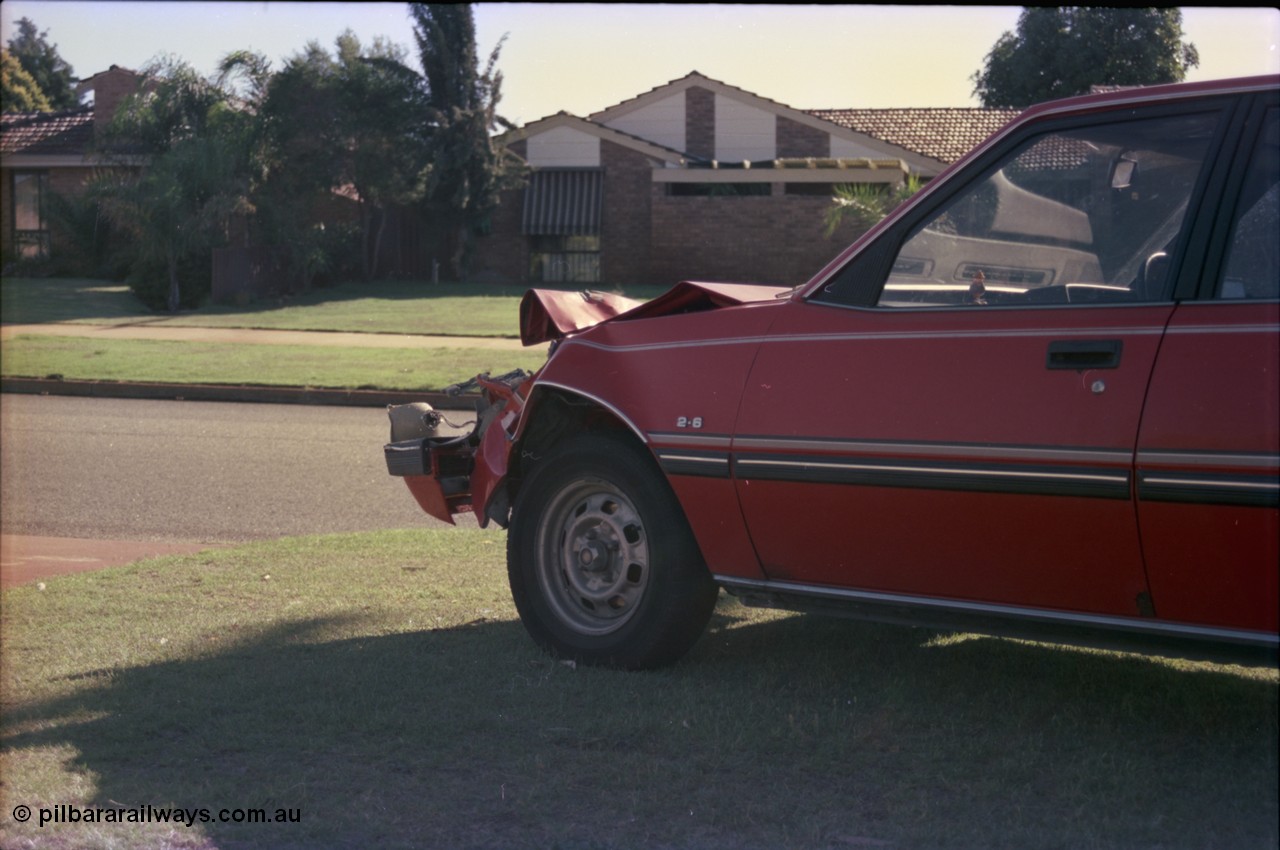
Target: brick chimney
[{"x": 109, "y": 88}]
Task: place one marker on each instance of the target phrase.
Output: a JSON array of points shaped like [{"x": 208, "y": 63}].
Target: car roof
[{"x": 1151, "y": 94}]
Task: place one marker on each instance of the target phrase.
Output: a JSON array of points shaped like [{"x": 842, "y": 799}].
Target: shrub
[{"x": 149, "y": 280}]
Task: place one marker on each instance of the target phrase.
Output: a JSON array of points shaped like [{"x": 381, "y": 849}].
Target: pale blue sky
[{"x": 584, "y": 57}]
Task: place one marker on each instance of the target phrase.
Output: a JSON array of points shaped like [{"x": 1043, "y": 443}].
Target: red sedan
[{"x": 1040, "y": 399}]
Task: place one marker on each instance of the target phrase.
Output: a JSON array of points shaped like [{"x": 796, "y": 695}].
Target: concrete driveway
[{"x": 25, "y": 559}]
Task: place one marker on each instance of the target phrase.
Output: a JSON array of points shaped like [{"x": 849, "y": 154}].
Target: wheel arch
[{"x": 555, "y": 412}]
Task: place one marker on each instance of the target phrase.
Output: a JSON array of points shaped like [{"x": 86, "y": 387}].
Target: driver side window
[{"x": 1087, "y": 215}]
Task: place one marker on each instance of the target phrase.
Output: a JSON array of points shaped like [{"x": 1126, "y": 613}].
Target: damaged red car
[{"x": 1040, "y": 399}]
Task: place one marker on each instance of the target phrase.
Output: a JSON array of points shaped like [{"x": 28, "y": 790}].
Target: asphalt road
[{"x": 194, "y": 472}]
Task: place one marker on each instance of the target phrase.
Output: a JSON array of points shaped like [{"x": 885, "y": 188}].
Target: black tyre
[{"x": 603, "y": 567}]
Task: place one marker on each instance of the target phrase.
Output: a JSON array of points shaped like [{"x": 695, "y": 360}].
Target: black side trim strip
[
  {"x": 1207, "y": 489},
  {"x": 702, "y": 464},
  {"x": 1099, "y": 483},
  {"x": 692, "y": 439}
]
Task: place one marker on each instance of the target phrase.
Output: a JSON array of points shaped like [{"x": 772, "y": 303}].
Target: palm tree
[
  {"x": 865, "y": 204},
  {"x": 194, "y": 146}
]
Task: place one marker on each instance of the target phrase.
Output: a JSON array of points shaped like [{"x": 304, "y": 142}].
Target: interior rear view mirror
[{"x": 1122, "y": 173}]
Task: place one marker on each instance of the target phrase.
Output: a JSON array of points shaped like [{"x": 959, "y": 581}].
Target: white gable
[
  {"x": 564, "y": 147},
  {"x": 849, "y": 149},
  {"x": 661, "y": 122},
  {"x": 744, "y": 132}
]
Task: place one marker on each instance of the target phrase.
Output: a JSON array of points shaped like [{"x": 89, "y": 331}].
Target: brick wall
[
  {"x": 502, "y": 255},
  {"x": 69, "y": 182},
  {"x": 795, "y": 140},
  {"x": 648, "y": 237},
  {"x": 700, "y": 122},
  {"x": 624, "y": 244},
  {"x": 6, "y": 213},
  {"x": 775, "y": 239}
]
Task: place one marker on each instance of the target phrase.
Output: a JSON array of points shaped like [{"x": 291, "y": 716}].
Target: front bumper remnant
[
  {"x": 436, "y": 451},
  {"x": 434, "y": 456}
]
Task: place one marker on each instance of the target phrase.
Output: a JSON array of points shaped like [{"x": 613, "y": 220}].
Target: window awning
[{"x": 563, "y": 202}]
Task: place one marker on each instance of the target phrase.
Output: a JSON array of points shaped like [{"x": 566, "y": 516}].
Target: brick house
[
  {"x": 693, "y": 179},
  {"x": 52, "y": 152},
  {"x": 699, "y": 179}
]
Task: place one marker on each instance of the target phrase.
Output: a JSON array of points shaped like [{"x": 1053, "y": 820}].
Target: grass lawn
[
  {"x": 380, "y": 687},
  {"x": 410, "y": 307},
  {"x": 74, "y": 358}
]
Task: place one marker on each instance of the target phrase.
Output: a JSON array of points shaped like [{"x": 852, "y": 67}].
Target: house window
[
  {"x": 562, "y": 211},
  {"x": 30, "y": 232},
  {"x": 824, "y": 190},
  {"x": 565, "y": 259}
]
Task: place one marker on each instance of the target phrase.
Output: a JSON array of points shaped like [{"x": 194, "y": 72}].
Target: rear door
[
  {"x": 1208, "y": 462},
  {"x": 955, "y": 414}
]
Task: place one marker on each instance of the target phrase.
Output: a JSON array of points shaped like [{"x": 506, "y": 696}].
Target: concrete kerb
[
  {"x": 234, "y": 393},
  {"x": 244, "y": 393},
  {"x": 257, "y": 336}
]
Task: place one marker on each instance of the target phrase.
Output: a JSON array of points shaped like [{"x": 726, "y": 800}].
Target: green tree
[
  {"x": 175, "y": 104},
  {"x": 176, "y": 208},
  {"x": 20, "y": 92},
  {"x": 1064, "y": 51},
  {"x": 330, "y": 122},
  {"x": 468, "y": 171},
  {"x": 40, "y": 59},
  {"x": 385, "y": 159},
  {"x": 292, "y": 162}
]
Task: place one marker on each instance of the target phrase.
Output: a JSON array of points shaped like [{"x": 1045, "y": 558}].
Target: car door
[
  {"x": 1208, "y": 462},
  {"x": 953, "y": 414}
]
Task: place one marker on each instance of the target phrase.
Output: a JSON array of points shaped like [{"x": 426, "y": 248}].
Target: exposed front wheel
[{"x": 602, "y": 564}]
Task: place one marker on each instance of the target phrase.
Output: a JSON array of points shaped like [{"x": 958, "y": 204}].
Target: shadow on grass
[
  {"x": 793, "y": 732},
  {"x": 43, "y": 300}
]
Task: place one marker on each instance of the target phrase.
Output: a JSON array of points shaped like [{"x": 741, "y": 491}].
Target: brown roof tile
[
  {"x": 944, "y": 134},
  {"x": 67, "y": 132}
]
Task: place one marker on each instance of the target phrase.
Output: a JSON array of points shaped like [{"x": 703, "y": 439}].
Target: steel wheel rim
[{"x": 592, "y": 557}]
